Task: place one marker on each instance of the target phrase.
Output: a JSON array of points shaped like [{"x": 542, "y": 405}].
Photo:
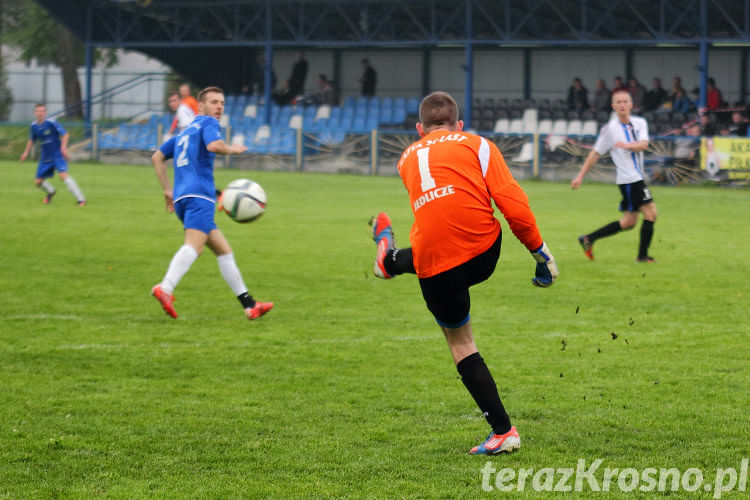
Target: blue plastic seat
[
  {"x": 399, "y": 116},
  {"x": 346, "y": 123},
  {"x": 412, "y": 106}
]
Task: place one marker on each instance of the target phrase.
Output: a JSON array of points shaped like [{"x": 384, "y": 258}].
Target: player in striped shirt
[
  {"x": 626, "y": 138},
  {"x": 452, "y": 178}
]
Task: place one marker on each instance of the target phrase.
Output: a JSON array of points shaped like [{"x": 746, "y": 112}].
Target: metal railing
[{"x": 671, "y": 160}]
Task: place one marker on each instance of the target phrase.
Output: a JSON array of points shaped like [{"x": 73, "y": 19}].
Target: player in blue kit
[
  {"x": 194, "y": 201},
  {"x": 54, "y": 152}
]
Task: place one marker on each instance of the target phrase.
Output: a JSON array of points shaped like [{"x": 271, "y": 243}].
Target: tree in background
[
  {"x": 39, "y": 36},
  {"x": 6, "y": 96}
]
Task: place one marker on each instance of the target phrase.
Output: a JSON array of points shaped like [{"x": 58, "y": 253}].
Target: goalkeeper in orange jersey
[{"x": 452, "y": 178}]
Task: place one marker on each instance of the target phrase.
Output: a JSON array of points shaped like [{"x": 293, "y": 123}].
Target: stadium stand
[{"x": 246, "y": 119}]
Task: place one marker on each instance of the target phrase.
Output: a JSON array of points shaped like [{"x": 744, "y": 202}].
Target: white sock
[
  {"x": 231, "y": 273},
  {"x": 73, "y": 186},
  {"x": 46, "y": 187},
  {"x": 180, "y": 265}
]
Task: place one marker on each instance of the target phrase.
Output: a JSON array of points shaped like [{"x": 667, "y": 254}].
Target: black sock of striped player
[
  {"x": 246, "y": 300},
  {"x": 477, "y": 378},
  {"x": 647, "y": 232},
  {"x": 399, "y": 261},
  {"x": 604, "y": 231}
]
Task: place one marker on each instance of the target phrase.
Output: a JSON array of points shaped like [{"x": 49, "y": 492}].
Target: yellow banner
[{"x": 726, "y": 158}]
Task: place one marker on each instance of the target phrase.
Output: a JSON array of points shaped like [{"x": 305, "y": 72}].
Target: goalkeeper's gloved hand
[{"x": 546, "y": 269}]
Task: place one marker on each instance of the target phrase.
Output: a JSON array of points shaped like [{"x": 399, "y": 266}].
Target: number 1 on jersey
[{"x": 424, "y": 169}]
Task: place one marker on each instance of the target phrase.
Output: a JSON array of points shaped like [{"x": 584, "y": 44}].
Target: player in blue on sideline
[
  {"x": 54, "y": 151},
  {"x": 194, "y": 201}
]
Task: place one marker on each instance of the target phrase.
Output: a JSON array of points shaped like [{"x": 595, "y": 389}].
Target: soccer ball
[{"x": 243, "y": 200}]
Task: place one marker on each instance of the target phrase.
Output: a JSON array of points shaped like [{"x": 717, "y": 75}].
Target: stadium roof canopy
[
  {"x": 386, "y": 23},
  {"x": 219, "y": 38}
]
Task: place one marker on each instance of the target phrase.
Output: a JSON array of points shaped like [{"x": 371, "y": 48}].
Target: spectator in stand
[
  {"x": 619, "y": 85},
  {"x": 369, "y": 79},
  {"x": 687, "y": 146},
  {"x": 714, "y": 99},
  {"x": 602, "y": 97},
  {"x": 283, "y": 96},
  {"x": 298, "y": 76},
  {"x": 578, "y": 96},
  {"x": 738, "y": 127},
  {"x": 680, "y": 102},
  {"x": 637, "y": 92},
  {"x": 655, "y": 97},
  {"x": 708, "y": 125},
  {"x": 695, "y": 98},
  {"x": 676, "y": 87},
  {"x": 693, "y": 131},
  {"x": 325, "y": 91}
]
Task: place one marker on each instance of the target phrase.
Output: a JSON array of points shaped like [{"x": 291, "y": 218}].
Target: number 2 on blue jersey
[{"x": 182, "y": 142}]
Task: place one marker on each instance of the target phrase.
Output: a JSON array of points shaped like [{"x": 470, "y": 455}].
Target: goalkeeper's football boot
[
  {"x": 645, "y": 260},
  {"x": 48, "y": 198},
  {"x": 498, "y": 443},
  {"x": 587, "y": 246},
  {"x": 382, "y": 233},
  {"x": 165, "y": 300},
  {"x": 258, "y": 310}
]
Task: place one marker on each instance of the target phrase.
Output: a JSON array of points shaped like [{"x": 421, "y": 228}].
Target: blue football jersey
[
  {"x": 48, "y": 133},
  {"x": 193, "y": 162}
]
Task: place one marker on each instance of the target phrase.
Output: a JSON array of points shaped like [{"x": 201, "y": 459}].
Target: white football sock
[
  {"x": 46, "y": 187},
  {"x": 180, "y": 265},
  {"x": 231, "y": 273},
  {"x": 73, "y": 187}
]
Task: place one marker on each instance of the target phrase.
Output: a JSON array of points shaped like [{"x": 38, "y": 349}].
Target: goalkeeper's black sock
[
  {"x": 477, "y": 378},
  {"x": 647, "y": 232},
  {"x": 399, "y": 261},
  {"x": 604, "y": 231}
]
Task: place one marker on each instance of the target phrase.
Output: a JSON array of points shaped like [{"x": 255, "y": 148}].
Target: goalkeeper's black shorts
[{"x": 447, "y": 293}]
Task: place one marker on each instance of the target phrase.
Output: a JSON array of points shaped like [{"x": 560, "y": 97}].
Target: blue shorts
[
  {"x": 47, "y": 168},
  {"x": 196, "y": 213}
]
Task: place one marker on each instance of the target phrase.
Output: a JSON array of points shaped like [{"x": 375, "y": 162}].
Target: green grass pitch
[{"x": 347, "y": 389}]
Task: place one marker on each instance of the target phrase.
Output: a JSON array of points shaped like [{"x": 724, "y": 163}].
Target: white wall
[
  {"x": 552, "y": 71},
  {"x": 497, "y": 73},
  {"x": 33, "y": 83},
  {"x": 723, "y": 65}
]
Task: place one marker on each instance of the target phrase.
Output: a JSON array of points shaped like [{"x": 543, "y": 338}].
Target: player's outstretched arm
[
  {"x": 25, "y": 154},
  {"x": 160, "y": 167},
  {"x": 635, "y": 147},
  {"x": 591, "y": 160},
  {"x": 64, "y": 146},
  {"x": 546, "y": 269},
  {"x": 222, "y": 148}
]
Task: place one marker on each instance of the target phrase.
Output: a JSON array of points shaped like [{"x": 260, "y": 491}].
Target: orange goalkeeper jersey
[{"x": 451, "y": 178}]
